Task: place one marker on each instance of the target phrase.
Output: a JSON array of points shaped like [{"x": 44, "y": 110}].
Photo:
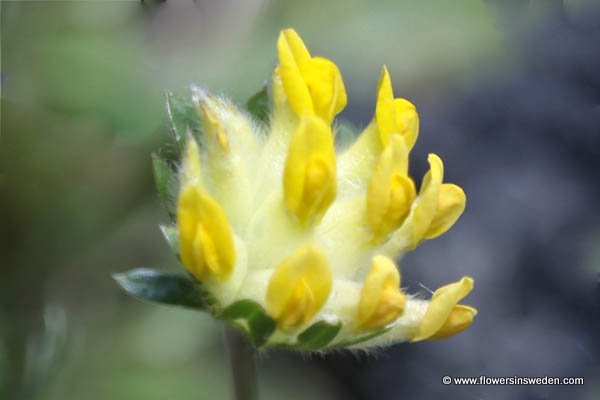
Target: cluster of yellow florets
[{"x": 269, "y": 213}]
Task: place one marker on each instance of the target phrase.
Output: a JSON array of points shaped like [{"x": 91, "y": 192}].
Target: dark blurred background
[{"x": 509, "y": 96}]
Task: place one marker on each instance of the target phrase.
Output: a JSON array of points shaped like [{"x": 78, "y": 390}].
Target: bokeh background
[{"x": 508, "y": 94}]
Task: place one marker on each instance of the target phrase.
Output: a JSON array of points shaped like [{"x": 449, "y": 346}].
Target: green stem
[{"x": 241, "y": 357}]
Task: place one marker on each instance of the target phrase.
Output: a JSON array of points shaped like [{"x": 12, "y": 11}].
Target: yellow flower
[
  {"x": 299, "y": 287},
  {"x": 206, "y": 242},
  {"x": 381, "y": 300},
  {"x": 312, "y": 85},
  {"x": 444, "y": 317},
  {"x": 309, "y": 177},
  {"x": 391, "y": 191},
  {"x": 269, "y": 215}
]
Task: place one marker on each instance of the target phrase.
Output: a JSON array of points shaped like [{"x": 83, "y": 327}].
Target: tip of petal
[
  {"x": 384, "y": 87},
  {"x": 434, "y": 159},
  {"x": 289, "y": 38}
]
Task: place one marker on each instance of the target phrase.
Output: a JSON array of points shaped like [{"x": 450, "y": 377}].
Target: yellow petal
[
  {"x": 395, "y": 116},
  {"x": 441, "y": 307},
  {"x": 406, "y": 121},
  {"x": 381, "y": 300},
  {"x": 326, "y": 88},
  {"x": 391, "y": 192},
  {"x": 204, "y": 252},
  {"x": 292, "y": 54},
  {"x": 299, "y": 287},
  {"x": 309, "y": 178},
  {"x": 426, "y": 203},
  {"x": 187, "y": 225},
  {"x": 450, "y": 206},
  {"x": 205, "y": 237},
  {"x": 460, "y": 319}
]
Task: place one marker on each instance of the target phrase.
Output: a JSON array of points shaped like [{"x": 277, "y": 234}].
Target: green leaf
[
  {"x": 252, "y": 318},
  {"x": 318, "y": 335},
  {"x": 172, "y": 237},
  {"x": 361, "y": 338},
  {"x": 162, "y": 287},
  {"x": 164, "y": 178},
  {"x": 258, "y": 105},
  {"x": 182, "y": 117}
]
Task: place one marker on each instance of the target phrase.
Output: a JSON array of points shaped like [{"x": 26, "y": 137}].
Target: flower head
[{"x": 294, "y": 242}]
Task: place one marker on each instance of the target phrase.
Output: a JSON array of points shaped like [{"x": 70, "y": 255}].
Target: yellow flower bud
[
  {"x": 205, "y": 238},
  {"x": 381, "y": 300},
  {"x": 442, "y": 317},
  {"x": 395, "y": 116},
  {"x": 299, "y": 287},
  {"x": 309, "y": 178},
  {"x": 391, "y": 191},
  {"x": 313, "y": 85}
]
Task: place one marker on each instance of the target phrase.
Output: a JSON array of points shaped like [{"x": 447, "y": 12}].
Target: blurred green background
[{"x": 82, "y": 110}]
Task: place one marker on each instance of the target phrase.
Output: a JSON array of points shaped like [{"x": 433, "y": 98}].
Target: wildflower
[{"x": 294, "y": 243}]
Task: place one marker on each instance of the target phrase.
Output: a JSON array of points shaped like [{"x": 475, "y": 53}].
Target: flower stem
[{"x": 241, "y": 357}]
